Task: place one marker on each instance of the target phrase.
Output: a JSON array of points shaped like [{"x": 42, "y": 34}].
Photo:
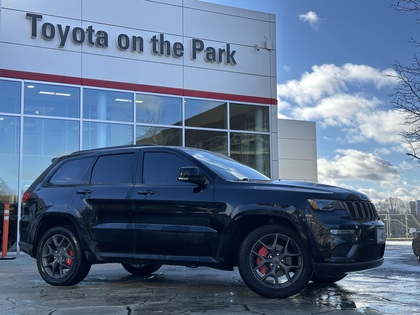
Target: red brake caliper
[
  {"x": 262, "y": 252},
  {"x": 69, "y": 260}
]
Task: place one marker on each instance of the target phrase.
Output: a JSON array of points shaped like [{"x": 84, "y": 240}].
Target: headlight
[{"x": 326, "y": 204}]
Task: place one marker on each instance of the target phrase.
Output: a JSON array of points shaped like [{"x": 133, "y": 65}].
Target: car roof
[{"x": 128, "y": 147}]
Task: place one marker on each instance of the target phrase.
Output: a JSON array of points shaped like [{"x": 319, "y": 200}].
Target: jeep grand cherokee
[{"x": 145, "y": 206}]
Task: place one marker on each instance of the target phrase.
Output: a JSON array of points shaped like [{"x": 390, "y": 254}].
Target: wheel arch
[
  {"x": 248, "y": 223},
  {"x": 52, "y": 220}
]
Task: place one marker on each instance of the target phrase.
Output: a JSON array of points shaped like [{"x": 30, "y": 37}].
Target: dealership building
[{"x": 78, "y": 75}]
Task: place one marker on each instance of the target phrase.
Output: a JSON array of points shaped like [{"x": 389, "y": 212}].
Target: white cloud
[
  {"x": 351, "y": 104},
  {"x": 343, "y": 97},
  {"x": 337, "y": 109},
  {"x": 356, "y": 165},
  {"x": 311, "y": 17},
  {"x": 328, "y": 79},
  {"x": 368, "y": 174},
  {"x": 384, "y": 127}
]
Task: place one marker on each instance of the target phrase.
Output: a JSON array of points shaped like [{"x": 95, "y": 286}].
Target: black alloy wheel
[
  {"x": 60, "y": 258},
  {"x": 273, "y": 262}
]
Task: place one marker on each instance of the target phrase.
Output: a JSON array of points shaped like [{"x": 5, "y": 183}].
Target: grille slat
[{"x": 361, "y": 210}]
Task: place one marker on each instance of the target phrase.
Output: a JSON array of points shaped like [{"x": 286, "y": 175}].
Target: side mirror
[{"x": 191, "y": 174}]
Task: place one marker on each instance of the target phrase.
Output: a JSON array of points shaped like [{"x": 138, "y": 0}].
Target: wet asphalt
[{"x": 393, "y": 288}]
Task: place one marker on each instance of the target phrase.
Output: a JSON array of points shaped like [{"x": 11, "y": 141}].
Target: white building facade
[
  {"x": 84, "y": 74},
  {"x": 81, "y": 74}
]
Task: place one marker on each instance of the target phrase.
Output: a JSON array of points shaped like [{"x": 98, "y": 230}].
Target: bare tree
[{"x": 406, "y": 96}]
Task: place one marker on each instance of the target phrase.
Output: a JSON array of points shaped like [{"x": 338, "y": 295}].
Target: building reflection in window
[
  {"x": 108, "y": 105},
  {"x": 249, "y": 117},
  {"x": 158, "y": 110},
  {"x": 10, "y": 96},
  {"x": 207, "y": 139},
  {"x": 99, "y": 135},
  {"x": 158, "y": 135},
  {"x": 251, "y": 149},
  {"x": 51, "y": 100},
  {"x": 205, "y": 114}
]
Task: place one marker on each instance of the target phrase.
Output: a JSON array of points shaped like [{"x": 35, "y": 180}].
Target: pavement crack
[{"x": 173, "y": 297}]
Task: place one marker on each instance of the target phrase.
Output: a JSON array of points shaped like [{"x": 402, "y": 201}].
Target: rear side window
[
  {"x": 71, "y": 172},
  {"x": 113, "y": 169}
]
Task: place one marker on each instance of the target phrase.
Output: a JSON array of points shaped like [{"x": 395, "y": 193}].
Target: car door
[
  {"x": 106, "y": 203},
  {"x": 172, "y": 218}
]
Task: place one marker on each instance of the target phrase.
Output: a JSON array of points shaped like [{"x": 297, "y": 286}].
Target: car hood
[{"x": 314, "y": 190}]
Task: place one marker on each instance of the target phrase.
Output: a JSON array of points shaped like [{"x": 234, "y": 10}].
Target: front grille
[
  {"x": 370, "y": 252},
  {"x": 361, "y": 210}
]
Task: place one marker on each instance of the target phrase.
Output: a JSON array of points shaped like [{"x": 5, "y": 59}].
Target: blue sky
[{"x": 333, "y": 58}]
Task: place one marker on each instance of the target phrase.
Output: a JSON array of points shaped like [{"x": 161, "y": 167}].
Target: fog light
[{"x": 342, "y": 232}]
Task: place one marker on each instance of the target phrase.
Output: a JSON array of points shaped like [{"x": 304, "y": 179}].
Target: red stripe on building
[{"x": 133, "y": 87}]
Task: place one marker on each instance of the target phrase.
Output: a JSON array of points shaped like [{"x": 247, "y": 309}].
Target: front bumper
[{"x": 337, "y": 269}]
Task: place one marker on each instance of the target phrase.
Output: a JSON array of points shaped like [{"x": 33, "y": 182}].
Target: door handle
[
  {"x": 146, "y": 192},
  {"x": 84, "y": 191}
]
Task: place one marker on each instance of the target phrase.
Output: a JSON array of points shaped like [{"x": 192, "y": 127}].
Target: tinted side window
[
  {"x": 162, "y": 168},
  {"x": 113, "y": 169},
  {"x": 71, "y": 172}
]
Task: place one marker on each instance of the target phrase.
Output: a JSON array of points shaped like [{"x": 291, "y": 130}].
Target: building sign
[{"x": 158, "y": 45}]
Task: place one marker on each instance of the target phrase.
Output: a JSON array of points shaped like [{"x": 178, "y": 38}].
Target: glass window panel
[
  {"x": 206, "y": 114},
  {"x": 160, "y": 110},
  {"x": 210, "y": 140},
  {"x": 71, "y": 173},
  {"x": 50, "y": 137},
  {"x": 158, "y": 135},
  {"x": 51, "y": 100},
  {"x": 112, "y": 169},
  {"x": 108, "y": 105},
  {"x": 249, "y": 117},
  {"x": 32, "y": 167},
  {"x": 10, "y": 96},
  {"x": 162, "y": 168},
  {"x": 9, "y": 158},
  {"x": 9, "y": 135},
  {"x": 252, "y": 150},
  {"x": 44, "y": 139},
  {"x": 99, "y": 135}
]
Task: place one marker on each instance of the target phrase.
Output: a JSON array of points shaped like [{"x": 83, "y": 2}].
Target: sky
[{"x": 334, "y": 59}]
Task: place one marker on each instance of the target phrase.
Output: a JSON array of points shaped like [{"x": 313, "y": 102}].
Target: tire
[
  {"x": 327, "y": 280},
  {"x": 141, "y": 269},
  {"x": 60, "y": 258},
  {"x": 273, "y": 262}
]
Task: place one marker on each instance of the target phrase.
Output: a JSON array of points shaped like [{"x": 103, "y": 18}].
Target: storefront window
[
  {"x": 10, "y": 96},
  {"x": 252, "y": 150},
  {"x": 108, "y": 105},
  {"x": 210, "y": 140},
  {"x": 9, "y": 165},
  {"x": 99, "y": 135},
  {"x": 205, "y": 114},
  {"x": 158, "y": 110},
  {"x": 50, "y": 137},
  {"x": 9, "y": 157},
  {"x": 158, "y": 135},
  {"x": 249, "y": 117},
  {"x": 44, "y": 139},
  {"x": 51, "y": 100}
]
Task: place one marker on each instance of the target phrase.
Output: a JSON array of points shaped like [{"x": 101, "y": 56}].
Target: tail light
[{"x": 26, "y": 196}]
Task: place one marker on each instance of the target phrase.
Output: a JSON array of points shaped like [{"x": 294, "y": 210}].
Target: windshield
[{"x": 226, "y": 167}]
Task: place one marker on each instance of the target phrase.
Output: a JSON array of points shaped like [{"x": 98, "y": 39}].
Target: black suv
[{"x": 144, "y": 206}]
